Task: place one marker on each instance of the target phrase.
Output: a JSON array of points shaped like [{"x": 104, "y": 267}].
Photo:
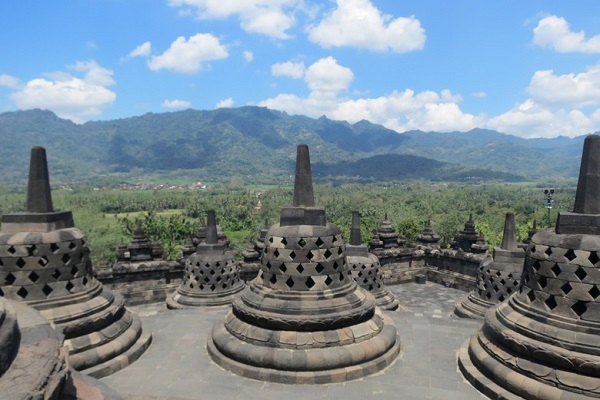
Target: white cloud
[
  {"x": 225, "y": 103},
  {"x": 479, "y": 94},
  {"x": 400, "y": 110},
  {"x": 9, "y": 81},
  {"x": 71, "y": 97},
  {"x": 188, "y": 56},
  {"x": 176, "y": 103},
  {"x": 268, "y": 17},
  {"x": 358, "y": 23},
  {"x": 143, "y": 50},
  {"x": 530, "y": 119},
  {"x": 567, "y": 91},
  {"x": 248, "y": 56},
  {"x": 294, "y": 70},
  {"x": 555, "y": 33}
]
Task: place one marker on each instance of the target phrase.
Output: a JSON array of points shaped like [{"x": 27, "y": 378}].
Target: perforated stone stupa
[
  {"x": 211, "y": 275},
  {"x": 386, "y": 236},
  {"x": 44, "y": 261},
  {"x": 469, "y": 239},
  {"x": 366, "y": 269},
  {"x": 498, "y": 277},
  {"x": 304, "y": 319},
  {"x": 544, "y": 342}
]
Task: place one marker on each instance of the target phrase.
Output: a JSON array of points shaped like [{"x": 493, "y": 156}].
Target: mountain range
[{"x": 260, "y": 143}]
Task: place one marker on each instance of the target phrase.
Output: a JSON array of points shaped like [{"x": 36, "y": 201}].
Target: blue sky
[{"x": 528, "y": 68}]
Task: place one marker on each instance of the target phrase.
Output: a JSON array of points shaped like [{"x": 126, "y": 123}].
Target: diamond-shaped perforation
[
  {"x": 290, "y": 282},
  {"x": 56, "y": 274},
  {"x": 531, "y": 295},
  {"x": 47, "y": 290},
  {"x": 273, "y": 279},
  {"x": 551, "y": 303},
  {"x": 66, "y": 258},
  {"x": 1, "y": 292},
  {"x": 543, "y": 282},
  {"x": 22, "y": 293},
  {"x": 594, "y": 292},
  {"x": 327, "y": 254},
  {"x": 282, "y": 268},
  {"x": 580, "y": 273},
  {"x": 74, "y": 270},
  {"x": 319, "y": 268},
  {"x": 548, "y": 251},
  {"x": 69, "y": 286},
  {"x": 556, "y": 269},
  {"x": 284, "y": 241},
  {"x": 33, "y": 277},
  {"x": 328, "y": 280},
  {"x": 11, "y": 250},
  {"x": 536, "y": 265},
  {"x": 570, "y": 255},
  {"x": 72, "y": 245},
  {"x": 292, "y": 255},
  {"x": 300, "y": 268},
  {"x": 319, "y": 242},
  {"x": 566, "y": 288},
  {"x": 10, "y": 279},
  {"x": 43, "y": 261},
  {"x": 21, "y": 263},
  {"x": 310, "y": 255},
  {"x": 31, "y": 250},
  {"x": 276, "y": 253},
  {"x": 580, "y": 307},
  {"x": 310, "y": 282},
  {"x": 301, "y": 242},
  {"x": 84, "y": 281},
  {"x": 54, "y": 248},
  {"x": 593, "y": 258}
]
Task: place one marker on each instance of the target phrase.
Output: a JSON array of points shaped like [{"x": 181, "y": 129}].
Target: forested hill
[{"x": 258, "y": 142}]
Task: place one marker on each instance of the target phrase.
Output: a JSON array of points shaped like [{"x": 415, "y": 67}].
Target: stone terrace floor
[{"x": 177, "y": 365}]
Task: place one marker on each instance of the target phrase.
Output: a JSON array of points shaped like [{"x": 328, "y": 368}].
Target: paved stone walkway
[{"x": 177, "y": 366}]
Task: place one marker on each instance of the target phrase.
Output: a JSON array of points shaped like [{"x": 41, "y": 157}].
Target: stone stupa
[
  {"x": 498, "y": 277},
  {"x": 427, "y": 238},
  {"x": 366, "y": 269},
  {"x": 469, "y": 240},
  {"x": 304, "y": 319},
  {"x": 211, "y": 275},
  {"x": 544, "y": 341},
  {"x": 45, "y": 262}
]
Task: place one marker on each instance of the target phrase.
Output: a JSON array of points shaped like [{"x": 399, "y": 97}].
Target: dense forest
[{"x": 172, "y": 216}]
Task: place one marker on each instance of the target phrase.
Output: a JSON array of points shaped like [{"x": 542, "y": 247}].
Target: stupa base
[
  {"x": 306, "y": 357},
  {"x": 472, "y": 307}
]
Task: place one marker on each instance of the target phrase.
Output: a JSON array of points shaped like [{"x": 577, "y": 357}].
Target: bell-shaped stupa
[
  {"x": 544, "y": 341},
  {"x": 365, "y": 267},
  {"x": 498, "y": 277},
  {"x": 45, "y": 262},
  {"x": 211, "y": 276},
  {"x": 304, "y": 319}
]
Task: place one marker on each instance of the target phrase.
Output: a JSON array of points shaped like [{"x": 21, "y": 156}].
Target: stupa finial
[
  {"x": 355, "y": 238},
  {"x": 509, "y": 241},
  {"x": 587, "y": 198},
  {"x": 39, "y": 198},
  {"x": 211, "y": 227},
  {"x": 303, "y": 187}
]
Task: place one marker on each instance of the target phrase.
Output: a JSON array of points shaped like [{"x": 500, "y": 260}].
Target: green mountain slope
[{"x": 258, "y": 142}]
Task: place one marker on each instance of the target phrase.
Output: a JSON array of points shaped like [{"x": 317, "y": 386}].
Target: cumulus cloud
[
  {"x": 176, "y": 103},
  {"x": 9, "y": 81},
  {"x": 143, "y": 50},
  {"x": 399, "y": 110},
  {"x": 294, "y": 70},
  {"x": 69, "y": 96},
  {"x": 225, "y": 103},
  {"x": 555, "y": 33},
  {"x": 568, "y": 90},
  {"x": 530, "y": 120},
  {"x": 248, "y": 56},
  {"x": 272, "y": 18},
  {"x": 188, "y": 56},
  {"x": 358, "y": 23}
]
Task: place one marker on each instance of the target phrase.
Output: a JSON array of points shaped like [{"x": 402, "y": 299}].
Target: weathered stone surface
[
  {"x": 211, "y": 275},
  {"x": 305, "y": 291},
  {"x": 45, "y": 263},
  {"x": 498, "y": 277},
  {"x": 543, "y": 342}
]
